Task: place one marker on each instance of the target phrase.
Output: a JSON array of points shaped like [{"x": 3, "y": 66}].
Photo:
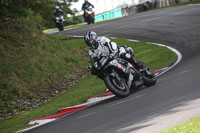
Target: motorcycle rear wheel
[{"x": 148, "y": 76}]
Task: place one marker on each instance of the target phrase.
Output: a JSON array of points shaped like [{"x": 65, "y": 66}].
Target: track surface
[{"x": 175, "y": 97}]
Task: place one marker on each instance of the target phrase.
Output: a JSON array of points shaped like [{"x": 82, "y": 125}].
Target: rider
[
  {"x": 58, "y": 12},
  {"x": 102, "y": 46},
  {"x": 85, "y": 6}
]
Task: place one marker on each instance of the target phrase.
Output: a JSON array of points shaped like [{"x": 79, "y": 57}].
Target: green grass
[
  {"x": 34, "y": 65},
  {"x": 78, "y": 93},
  {"x": 191, "y": 126},
  {"x": 154, "y": 56},
  {"x": 66, "y": 27}
]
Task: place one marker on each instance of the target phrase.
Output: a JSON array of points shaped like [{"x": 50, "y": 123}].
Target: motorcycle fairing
[{"x": 118, "y": 64}]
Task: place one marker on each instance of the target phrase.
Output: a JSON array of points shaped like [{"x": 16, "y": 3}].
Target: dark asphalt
[{"x": 178, "y": 27}]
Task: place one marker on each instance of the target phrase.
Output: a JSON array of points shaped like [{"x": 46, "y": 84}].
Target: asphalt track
[{"x": 176, "y": 96}]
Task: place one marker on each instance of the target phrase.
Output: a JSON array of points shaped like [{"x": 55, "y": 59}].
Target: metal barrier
[
  {"x": 116, "y": 13},
  {"x": 143, "y": 5}
]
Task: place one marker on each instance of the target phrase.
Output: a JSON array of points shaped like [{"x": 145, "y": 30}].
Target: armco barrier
[
  {"x": 116, "y": 13},
  {"x": 145, "y": 5},
  {"x": 142, "y": 6},
  {"x": 164, "y": 3}
]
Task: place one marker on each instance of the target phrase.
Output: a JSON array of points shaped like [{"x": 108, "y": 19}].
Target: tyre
[
  {"x": 88, "y": 20},
  {"x": 61, "y": 28},
  {"x": 119, "y": 88},
  {"x": 148, "y": 76},
  {"x": 149, "y": 80},
  {"x": 92, "y": 20}
]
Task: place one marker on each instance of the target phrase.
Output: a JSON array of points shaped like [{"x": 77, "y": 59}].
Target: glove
[
  {"x": 112, "y": 55},
  {"x": 130, "y": 50},
  {"x": 93, "y": 70},
  {"x": 90, "y": 68},
  {"x": 127, "y": 56},
  {"x": 96, "y": 65}
]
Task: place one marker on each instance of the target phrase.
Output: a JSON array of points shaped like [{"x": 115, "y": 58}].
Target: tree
[{"x": 43, "y": 8}]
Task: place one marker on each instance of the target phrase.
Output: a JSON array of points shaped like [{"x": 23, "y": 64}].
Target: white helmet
[
  {"x": 91, "y": 39},
  {"x": 57, "y": 7}
]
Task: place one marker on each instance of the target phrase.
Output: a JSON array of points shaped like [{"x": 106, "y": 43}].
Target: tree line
[{"x": 41, "y": 8}]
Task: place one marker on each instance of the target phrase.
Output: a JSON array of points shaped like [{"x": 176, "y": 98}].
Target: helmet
[
  {"x": 57, "y": 7},
  {"x": 91, "y": 39}
]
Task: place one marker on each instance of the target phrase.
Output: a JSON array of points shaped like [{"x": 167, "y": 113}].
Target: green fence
[{"x": 116, "y": 13}]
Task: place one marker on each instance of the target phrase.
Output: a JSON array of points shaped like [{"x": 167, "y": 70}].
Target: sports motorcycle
[
  {"x": 121, "y": 77},
  {"x": 59, "y": 22},
  {"x": 89, "y": 15}
]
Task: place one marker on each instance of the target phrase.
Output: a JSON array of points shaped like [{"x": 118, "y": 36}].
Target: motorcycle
[
  {"x": 121, "y": 77},
  {"x": 89, "y": 15},
  {"x": 59, "y": 22}
]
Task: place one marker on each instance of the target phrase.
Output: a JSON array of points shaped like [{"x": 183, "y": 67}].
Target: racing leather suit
[
  {"x": 85, "y": 6},
  {"x": 57, "y": 13},
  {"x": 106, "y": 48}
]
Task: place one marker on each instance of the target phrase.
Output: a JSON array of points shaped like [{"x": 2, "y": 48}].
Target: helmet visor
[{"x": 91, "y": 41}]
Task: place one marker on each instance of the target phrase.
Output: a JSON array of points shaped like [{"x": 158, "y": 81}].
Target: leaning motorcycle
[
  {"x": 89, "y": 15},
  {"x": 121, "y": 77},
  {"x": 59, "y": 22}
]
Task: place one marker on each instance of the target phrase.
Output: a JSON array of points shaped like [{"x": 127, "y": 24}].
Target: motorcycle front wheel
[
  {"x": 92, "y": 19},
  {"x": 61, "y": 28},
  {"x": 119, "y": 88}
]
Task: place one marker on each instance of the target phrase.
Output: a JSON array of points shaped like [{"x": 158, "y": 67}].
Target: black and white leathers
[{"x": 105, "y": 48}]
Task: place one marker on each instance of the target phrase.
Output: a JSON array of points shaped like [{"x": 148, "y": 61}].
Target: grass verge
[
  {"x": 34, "y": 67},
  {"x": 191, "y": 126},
  {"x": 155, "y": 56},
  {"x": 66, "y": 27}
]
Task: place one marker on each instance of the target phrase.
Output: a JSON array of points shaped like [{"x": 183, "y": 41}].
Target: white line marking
[
  {"x": 133, "y": 98},
  {"x": 132, "y": 40},
  {"x": 176, "y": 13},
  {"x": 182, "y": 12},
  {"x": 113, "y": 37},
  {"x": 183, "y": 72},
  {"x": 39, "y": 122},
  {"x": 87, "y": 115},
  {"x": 194, "y": 5},
  {"x": 117, "y": 103},
  {"x": 151, "y": 19},
  {"x": 179, "y": 55},
  {"x": 77, "y": 36}
]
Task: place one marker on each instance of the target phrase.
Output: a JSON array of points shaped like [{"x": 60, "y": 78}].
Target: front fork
[
  {"x": 130, "y": 78},
  {"x": 120, "y": 79}
]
